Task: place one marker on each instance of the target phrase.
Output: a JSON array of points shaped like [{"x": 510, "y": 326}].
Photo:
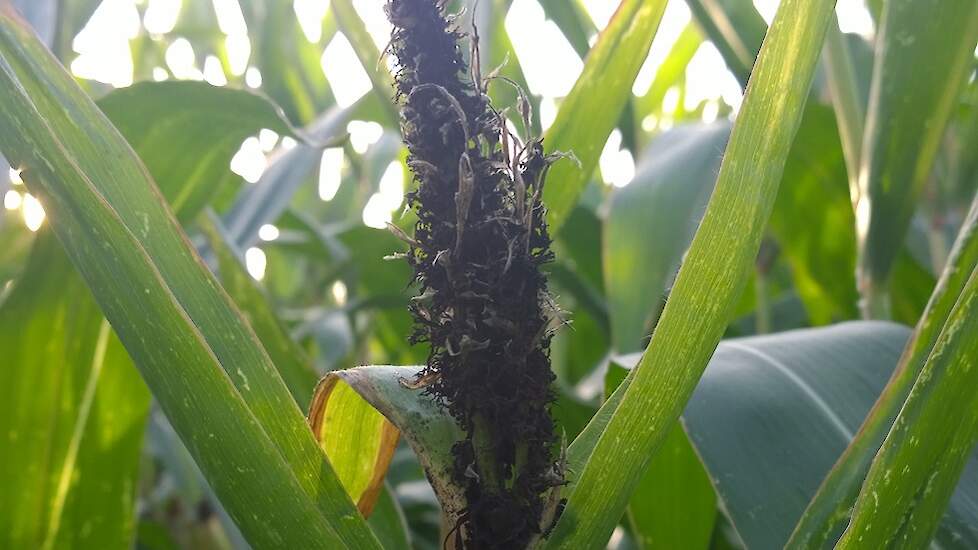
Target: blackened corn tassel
[{"x": 478, "y": 246}]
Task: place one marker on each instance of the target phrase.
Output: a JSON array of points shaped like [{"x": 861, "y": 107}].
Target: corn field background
[{"x": 765, "y": 232}]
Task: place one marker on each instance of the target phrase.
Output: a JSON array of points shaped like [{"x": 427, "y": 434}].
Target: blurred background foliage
[{"x": 296, "y": 225}]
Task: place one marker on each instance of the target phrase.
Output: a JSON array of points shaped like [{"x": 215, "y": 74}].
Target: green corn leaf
[
  {"x": 167, "y": 309},
  {"x": 674, "y": 505},
  {"x": 650, "y": 224},
  {"x": 288, "y": 357},
  {"x": 171, "y": 123},
  {"x": 601, "y": 91},
  {"x": 186, "y": 142},
  {"x": 72, "y": 414},
  {"x": 926, "y": 51},
  {"x": 710, "y": 280},
  {"x": 926, "y": 450},
  {"x": 847, "y": 100},
  {"x": 772, "y": 413},
  {"x": 830, "y": 507}
]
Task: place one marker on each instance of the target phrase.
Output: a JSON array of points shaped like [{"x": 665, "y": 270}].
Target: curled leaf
[{"x": 357, "y": 415}]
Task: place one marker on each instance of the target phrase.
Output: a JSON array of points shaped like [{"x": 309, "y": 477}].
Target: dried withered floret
[{"x": 483, "y": 307}]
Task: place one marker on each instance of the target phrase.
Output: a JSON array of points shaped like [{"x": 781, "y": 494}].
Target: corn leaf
[
  {"x": 651, "y": 223},
  {"x": 601, "y": 91},
  {"x": 674, "y": 505},
  {"x": 772, "y": 413},
  {"x": 927, "y": 51},
  {"x": 228, "y": 403},
  {"x": 72, "y": 414},
  {"x": 288, "y": 357},
  {"x": 427, "y": 427},
  {"x": 170, "y": 123},
  {"x": 928, "y": 452},
  {"x": 848, "y": 102},
  {"x": 358, "y": 440},
  {"x": 90, "y": 418},
  {"x": 830, "y": 507},
  {"x": 710, "y": 280}
]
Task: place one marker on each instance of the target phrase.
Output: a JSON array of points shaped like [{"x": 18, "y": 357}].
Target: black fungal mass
[{"x": 483, "y": 307}]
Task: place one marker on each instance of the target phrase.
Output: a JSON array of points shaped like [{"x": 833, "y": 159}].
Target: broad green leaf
[
  {"x": 601, "y": 91},
  {"x": 812, "y": 220},
  {"x": 72, "y": 414},
  {"x": 927, "y": 452},
  {"x": 831, "y": 505},
  {"x": 735, "y": 28},
  {"x": 171, "y": 124},
  {"x": 772, "y": 413},
  {"x": 167, "y": 309},
  {"x": 926, "y": 50},
  {"x": 426, "y": 426},
  {"x": 710, "y": 280},
  {"x": 288, "y": 357},
  {"x": 651, "y": 222},
  {"x": 358, "y": 440},
  {"x": 574, "y": 21}
]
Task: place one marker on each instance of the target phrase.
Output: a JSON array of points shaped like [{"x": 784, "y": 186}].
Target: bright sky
[{"x": 551, "y": 67}]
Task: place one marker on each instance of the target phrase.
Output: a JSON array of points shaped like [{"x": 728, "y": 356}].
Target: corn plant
[{"x": 766, "y": 339}]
